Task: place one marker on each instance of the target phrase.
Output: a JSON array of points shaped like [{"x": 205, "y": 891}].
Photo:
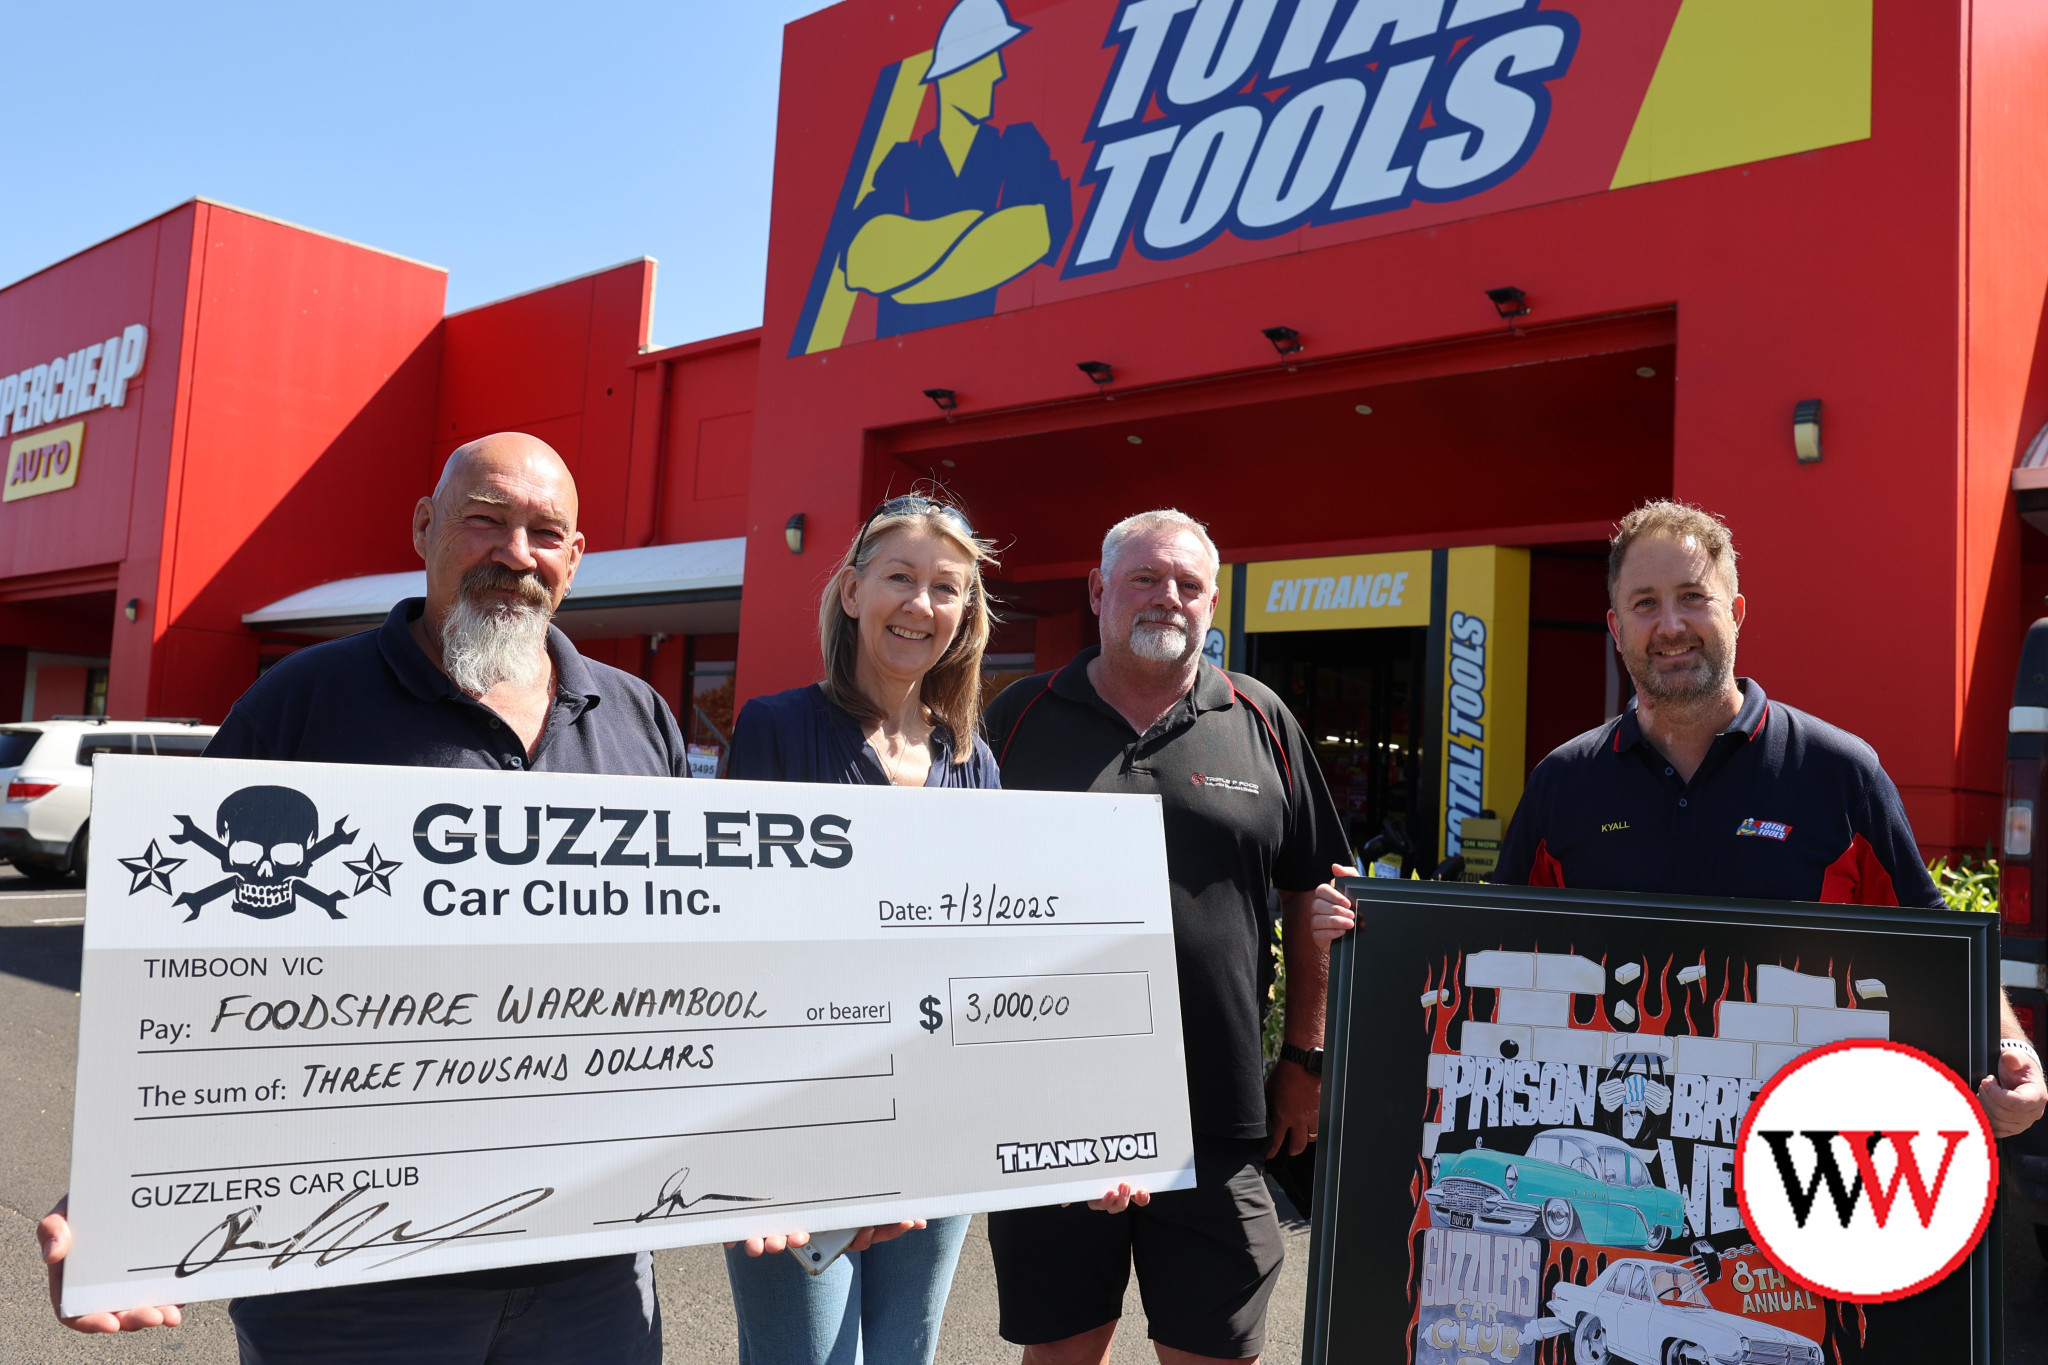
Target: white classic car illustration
[{"x": 1653, "y": 1313}]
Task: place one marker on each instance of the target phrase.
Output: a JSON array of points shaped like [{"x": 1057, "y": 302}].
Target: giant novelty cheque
[{"x": 342, "y": 1024}]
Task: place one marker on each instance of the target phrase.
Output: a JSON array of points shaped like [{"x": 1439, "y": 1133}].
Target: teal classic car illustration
[{"x": 1578, "y": 1185}]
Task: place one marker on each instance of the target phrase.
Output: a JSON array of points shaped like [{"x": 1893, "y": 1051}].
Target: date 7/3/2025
[{"x": 971, "y": 904}]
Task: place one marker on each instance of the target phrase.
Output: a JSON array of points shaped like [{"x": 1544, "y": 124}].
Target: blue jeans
[
  {"x": 883, "y": 1304},
  {"x": 606, "y": 1315}
]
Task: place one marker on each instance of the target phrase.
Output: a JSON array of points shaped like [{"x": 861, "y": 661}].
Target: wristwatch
[{"x": 1309, "y": 1059}]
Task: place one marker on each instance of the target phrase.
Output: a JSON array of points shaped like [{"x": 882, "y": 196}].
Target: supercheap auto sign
[{"x": 1028, "y": 156}]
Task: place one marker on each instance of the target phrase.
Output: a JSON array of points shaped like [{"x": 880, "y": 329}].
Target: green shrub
[{"x": 1972, "y": 884}]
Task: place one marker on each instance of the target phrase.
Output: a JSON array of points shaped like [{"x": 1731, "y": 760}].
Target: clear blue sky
[{"x": 515, "y": 144}]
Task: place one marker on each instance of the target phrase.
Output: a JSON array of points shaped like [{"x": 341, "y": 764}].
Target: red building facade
[{"x": 1276, "y": 225}]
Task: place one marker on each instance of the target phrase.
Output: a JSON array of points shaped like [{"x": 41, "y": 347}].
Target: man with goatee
[
  {"x": 1246, "y": 813},
  {"x": 1702, "y": 786},
  {"x": 473, "y": 675}
]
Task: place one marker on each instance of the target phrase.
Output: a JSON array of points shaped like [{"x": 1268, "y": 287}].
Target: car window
[
  {"x": 1669, "y": 1286},
  {"x": 1543, "y": 1149},
  {"x": 92, "y": 746},
  {"x": 1638, "y": 1288},
  {"x": 1614, "y": 1165},
  {"x": 1638, "y": 1174},
  {"x": 1578, "y": 1156},
  {"x": 180, "y": 746},
  {"x": 15, "y": 744}
]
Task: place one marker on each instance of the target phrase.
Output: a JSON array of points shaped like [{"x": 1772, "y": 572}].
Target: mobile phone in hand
[{"x": 823, "y": 1249}]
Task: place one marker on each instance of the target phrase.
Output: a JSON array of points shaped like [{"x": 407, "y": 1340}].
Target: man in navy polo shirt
[
  {"x": 1704, "y": 786},
  {"x": 473, "y": 675}
]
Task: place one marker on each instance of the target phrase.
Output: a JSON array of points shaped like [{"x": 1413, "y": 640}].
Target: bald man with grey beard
[{"x": 473, "y": 675}]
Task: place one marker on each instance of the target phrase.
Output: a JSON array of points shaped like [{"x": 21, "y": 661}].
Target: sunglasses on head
[{"x": 908, "y": 503}]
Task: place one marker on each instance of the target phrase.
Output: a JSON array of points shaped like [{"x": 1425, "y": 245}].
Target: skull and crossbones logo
[{"x": 268, "y": 843}]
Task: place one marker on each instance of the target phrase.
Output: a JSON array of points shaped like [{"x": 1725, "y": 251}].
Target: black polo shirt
[
  {"x": 1246, "y": 809},
  {"x": 1785, "y": 807},
  {"x": 377, "y": 698}
]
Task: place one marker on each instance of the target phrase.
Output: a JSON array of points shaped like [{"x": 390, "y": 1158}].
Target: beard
[
  {"x": 1708, "y": 677},
  {"x": 1164, "y": 637},
  {"x": 485, "y": 643}
]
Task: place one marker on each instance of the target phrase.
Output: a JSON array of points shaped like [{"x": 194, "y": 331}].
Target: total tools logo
[
  {"x": 1464, "y": 727},
  {"x": 1866, "y": 1170},
  {"x": 1257, "y": 118}
]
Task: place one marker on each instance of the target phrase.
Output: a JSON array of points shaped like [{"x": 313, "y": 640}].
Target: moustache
[
  {"x": 526, "y": 586},
  {"x": 1161, "y": 617}
]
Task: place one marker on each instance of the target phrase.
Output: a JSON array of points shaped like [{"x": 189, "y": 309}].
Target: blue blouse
[{"x": 799, "y": 736}]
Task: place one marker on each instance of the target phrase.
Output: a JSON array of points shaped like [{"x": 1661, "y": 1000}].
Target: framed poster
[{"x": 1530, "y": 1105}]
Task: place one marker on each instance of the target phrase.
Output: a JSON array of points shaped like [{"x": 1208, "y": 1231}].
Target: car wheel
[
  {"x": 1589, "y": 1343},
  {"x": 75, "y": 864},
  {"x": 1658, "y": 1235},
  {"x": 1559, "y": 1218},
  {"x": 1684, "y": 1353}
]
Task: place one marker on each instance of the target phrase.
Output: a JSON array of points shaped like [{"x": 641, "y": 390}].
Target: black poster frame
[{"x": 1365, "y": 1094}]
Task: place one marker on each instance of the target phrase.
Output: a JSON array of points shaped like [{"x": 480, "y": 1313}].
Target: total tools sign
[{"x": 1038, "y": 152}]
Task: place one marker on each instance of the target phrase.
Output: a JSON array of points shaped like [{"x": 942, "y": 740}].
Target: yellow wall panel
[{"x": 1743, "y": 80}]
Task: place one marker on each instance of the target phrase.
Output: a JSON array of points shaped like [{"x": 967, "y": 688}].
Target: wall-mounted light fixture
[
  {"x": 793, "y": 532},
  {"x": 133, "y": 609},
  {"x": 1509, "y": 302},
  {"x": 945, "y": 398},
  {"x": 1806, "y": 431},
  {"x": 656, "y": 641},
  {"x": 1096, "y": 370},
  {"x": 1285, "y": 340}
]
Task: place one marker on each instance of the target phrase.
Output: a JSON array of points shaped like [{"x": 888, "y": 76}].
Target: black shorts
[{"x": 1207, "y": 1260}]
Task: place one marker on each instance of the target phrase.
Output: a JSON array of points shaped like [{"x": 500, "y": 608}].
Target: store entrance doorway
[{"x": 1356, "y": 694}]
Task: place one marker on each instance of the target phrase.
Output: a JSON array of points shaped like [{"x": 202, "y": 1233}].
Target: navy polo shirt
[
  {"x": 1785, "y": 807},
  {"x": 1246, "y": 810},
  {"x": 377, "y": 698},
  {"x": 800, "y": 736}
]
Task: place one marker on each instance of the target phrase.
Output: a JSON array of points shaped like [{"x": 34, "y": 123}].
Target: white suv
[{"x": 47, "y": 768}]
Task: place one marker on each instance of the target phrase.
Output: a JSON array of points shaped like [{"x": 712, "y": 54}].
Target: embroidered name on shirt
[
  {"x": 1227, "y": 783},
  {"x": 1763, "y": 829},
  {"x": 1612, "y": 825}
]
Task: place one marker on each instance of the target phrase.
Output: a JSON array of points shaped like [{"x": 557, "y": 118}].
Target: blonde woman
[{"x": 902, "y": 627}]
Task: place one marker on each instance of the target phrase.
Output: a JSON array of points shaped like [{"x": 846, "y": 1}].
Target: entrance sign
[
  {"x": 1350, "y": 592},
  {"x": 986, "y": 160},
  {"x": 342, "y": 1024},
  {"x": 1532, "y": 1105}
]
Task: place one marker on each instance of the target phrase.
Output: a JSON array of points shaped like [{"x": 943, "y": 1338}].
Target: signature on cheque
[
  {"x": 328, "y": 1236},
  {"x": 673, "y": 1201}
]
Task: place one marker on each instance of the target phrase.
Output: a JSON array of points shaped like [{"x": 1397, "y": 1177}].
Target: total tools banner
[{"x": 1005, "y": 153}]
